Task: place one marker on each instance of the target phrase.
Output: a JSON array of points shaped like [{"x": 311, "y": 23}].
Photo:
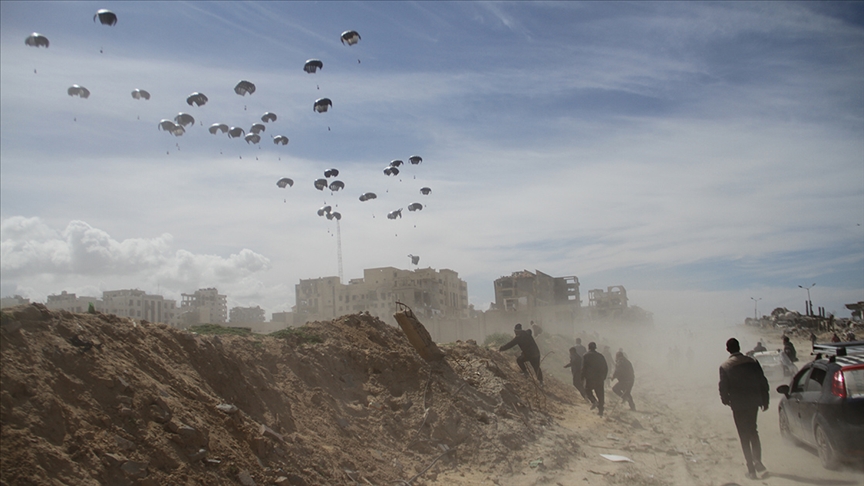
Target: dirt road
[{"x": 680, "y": 433}]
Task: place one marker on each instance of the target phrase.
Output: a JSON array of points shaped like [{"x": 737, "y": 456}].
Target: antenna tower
[{"x": 339, "y": 248}]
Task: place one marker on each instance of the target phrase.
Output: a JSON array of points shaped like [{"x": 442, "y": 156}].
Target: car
[
  {"x": 775, "y": 365},
  {"x": 823, "y": 405}
]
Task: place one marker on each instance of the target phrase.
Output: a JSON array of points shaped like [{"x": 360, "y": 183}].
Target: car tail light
[{"x": 838, "y": 385}]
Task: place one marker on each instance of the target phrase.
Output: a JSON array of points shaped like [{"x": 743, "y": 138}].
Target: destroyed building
[
  {"x": 525, "y": 290},
  {"x": 204, "y": 306}
]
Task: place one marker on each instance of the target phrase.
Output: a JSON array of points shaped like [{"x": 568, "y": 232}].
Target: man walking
[
  {"x": 594, "y": 371},
  {"x": 530, "y": 351},
  {"x": 744, "y": 388},
  {"x": 575, "y": 366}
]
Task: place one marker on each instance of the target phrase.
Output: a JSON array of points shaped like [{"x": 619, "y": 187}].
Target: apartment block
[
  {"x": 522, "y": 291},
  {"x": 246, "y": 315},
  {"x": 428, "y": 292},
  {"x": 205, "y": 306},
  {"x": 72, "y": 303},
  {"x": 138, "y": 304},
  {"x": 13, "y": 301}
]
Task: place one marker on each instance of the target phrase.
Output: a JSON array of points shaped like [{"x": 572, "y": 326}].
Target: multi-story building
[
  {"x": 205, "y": 306},
  {"x": 138, "y": 304},
  {"x": 612, "y": 299},
  {"x": 69, "y": 302},
  {"x": 427, "y": 292},
  {"x": 246, "y": 315},
  {"x": 522, "y": 291}
]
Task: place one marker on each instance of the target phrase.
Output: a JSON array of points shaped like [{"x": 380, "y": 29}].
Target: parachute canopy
[
  {"x": 395, "y": 214},
  {"x": 76, "y": 90},
  {"x": 244, "y": 87},
  {"x": 171, "y": 127},
  {"x": 425, "y": 191},
  {"x": 334, "y": 215},
  {"x": 414, "y": 259},
  {"x": 268, "y": 117},
  {"x": 415, "y": 159},
  {"x": 415, "y": 207},
  {"x": 320, "y": 184},
  {"x": 236, "y": 132},
  {"x": 258, "y": 128},
  {"x": 252, "y": 138},
  {"x": 337, "y": 185},
  {"x": 322, "y": 104},
  {"x": 324, "y": 210},
  {"x": 313, "y": 65},
  {"x": 367, "y": 196},
  {"x": 140, "y": 94},
  {"x": 396, "y": 163},
  {"x": 106, "y": 17},
  {"x": 280, "y": 139},
  {"x": 36, "y": 40},
  {"x": 350, "y": 37},
  {"x": 184, "y": 119},
  {"x": 197, "y": 99},
  {"x": 331, "y": 173},
  {"x": 391, "y": 171},
  {"x": 285, "y": 182},
  {"x": 218, "y": 127}
]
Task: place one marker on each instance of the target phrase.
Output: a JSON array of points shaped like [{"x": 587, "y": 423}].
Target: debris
[{"x": 615, "y": 458}]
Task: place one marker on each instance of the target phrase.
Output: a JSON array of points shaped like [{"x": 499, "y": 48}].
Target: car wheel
[
  {"x": 785, "y": 431},
  {"x": 827, "y": 455}
]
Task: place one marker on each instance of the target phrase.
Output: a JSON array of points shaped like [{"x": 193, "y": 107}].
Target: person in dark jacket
[
  {"x": 789, "y": 349},
  {"x": 580, "y": 349},
  {"x": 744, "y": 388},
  {"x": 594, "y": 371},
  {"x": 530, "y": 351},
  {"x": 626, "y": 378},
  {"x": 575, "y": 366}
]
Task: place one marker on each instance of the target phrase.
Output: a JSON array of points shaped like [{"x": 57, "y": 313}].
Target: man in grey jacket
[{"x": 744, "y": 388}]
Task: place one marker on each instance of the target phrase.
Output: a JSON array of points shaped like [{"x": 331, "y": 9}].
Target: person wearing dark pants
[
  {"x": 530, "y": 351},
  {"x": 744, "y": 388},
  {"x": 575, "y": 366},
  {"x": 594, "y": 371},
  {"x": 626, "y": 378}
]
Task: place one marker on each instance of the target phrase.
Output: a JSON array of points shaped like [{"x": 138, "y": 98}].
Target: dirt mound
[{"x": 99, "y": 399}]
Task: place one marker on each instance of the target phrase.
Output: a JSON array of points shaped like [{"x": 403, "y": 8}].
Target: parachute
[
  {"x": 415, "y": 159},
  {"x": 252, "y": 138},
  {"x": 244, "y": 87},
  {"x": 140, "y": 94},
  {"x": 395, "y": 214},
  {"x": 236, "y": 132},
  {"x": 320, "y": 184},
  {"x": 257, "y": 128},
  {"x": 322, "y": 104},
  {"x": 106, "y": 17},
  {"x": 80, "y": 91},
  {"x": 184, "y": 119},
  {"x": 171, "y": 127},
  {"x": 285, "y": 182},
  {"x": 337, "y": 185},
  {"x": 324, "y": 210},
  {"x": 268, "y": 117},
  {"x": 334, "y": 215},
  {"x": 280, "y": 139},
  {"x": 331, "y": 173},
  {"x": 415, "y": 207},
  {"x": 36, "y": 40},
  {"x": 350, "y": 37},
  {"x": 367, "y": 196},
  {"x": 396, "y": 163},
  {"x": 425, "y": 191},
  {"x": 414, "y": 259},
  {"x": 313, "y": 65},
  {"x": 198, "y": 99},
  {"x": 218, "y": 127},
  {"x": 391, "y": 171}
]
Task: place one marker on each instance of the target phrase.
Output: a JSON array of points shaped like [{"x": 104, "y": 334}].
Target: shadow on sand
[{"x": 819, "y": 481}]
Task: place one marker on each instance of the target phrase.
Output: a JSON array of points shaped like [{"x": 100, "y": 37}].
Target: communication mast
[{"x": 339, "y": 248}]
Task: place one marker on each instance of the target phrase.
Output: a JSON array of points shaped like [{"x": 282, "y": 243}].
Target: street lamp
[
  {"x": 755, "y": 306},
  {"x": 809, "y": 302}
]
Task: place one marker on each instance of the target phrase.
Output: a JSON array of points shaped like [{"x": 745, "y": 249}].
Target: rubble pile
[{"x": 92, "y": 399}]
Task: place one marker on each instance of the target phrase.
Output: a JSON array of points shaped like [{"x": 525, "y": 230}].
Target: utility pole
[
  {"x": 755, "y": 306},
  {"x": 809, "y": 304},
  {"x": 339, "y": 248}
]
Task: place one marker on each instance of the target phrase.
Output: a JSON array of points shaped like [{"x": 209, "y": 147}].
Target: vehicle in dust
[
  {"x": 775, "y": 365},
  {"x": 823, "y": 405}
]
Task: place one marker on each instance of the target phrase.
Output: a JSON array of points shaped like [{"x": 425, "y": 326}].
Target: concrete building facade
[
  {"x": 138, "y": 304},
  {"x": 428, "y": 292},
  {"x": 205, "y": 306},
  {"x": 72, "y": 303},
  {"x": 13, "y": 301},
  {"x": 246, "y": 315},
  {"x": 522, "y": 291}
]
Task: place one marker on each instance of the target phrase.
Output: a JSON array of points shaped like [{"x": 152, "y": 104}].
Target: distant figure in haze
[
  {"x": 607, "y": 353},
  {"x": 580, "y": 350},
  {"x": 835, "y": 338},
  {"x": 812, "y": 341},
  {"x": 744, "y": 388},
  {"x": 626, "y": 378},
  {"x": 575, "y": 366},
  {"x": 537, "y": 329},
  {"x": 530, "y": 351},
  {"x": 594, "y": 372},
  {"x": 757, "y": 349},
  {"x": 789, "y": 349}
]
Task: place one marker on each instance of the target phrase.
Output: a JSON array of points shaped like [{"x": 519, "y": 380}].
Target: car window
[
  {"x": 817, "y": 377},
  {"x": 854, "y": 382},
  {"x": 800, "y": 381}
]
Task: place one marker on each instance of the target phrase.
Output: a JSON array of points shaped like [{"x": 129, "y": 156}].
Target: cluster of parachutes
[{"x": 177, "y": 125}]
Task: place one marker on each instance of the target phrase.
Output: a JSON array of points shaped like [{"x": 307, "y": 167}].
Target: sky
[{"x": 708, "y": 156}]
